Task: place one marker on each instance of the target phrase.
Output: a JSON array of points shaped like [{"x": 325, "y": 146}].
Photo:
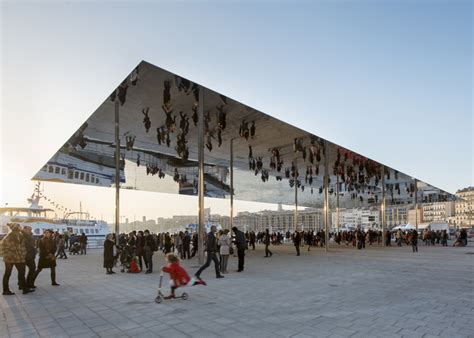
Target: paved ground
[{"x": 370, "y": 293}]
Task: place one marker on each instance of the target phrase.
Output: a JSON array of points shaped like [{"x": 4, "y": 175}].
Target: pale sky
[{"x": 391, "y": 80}]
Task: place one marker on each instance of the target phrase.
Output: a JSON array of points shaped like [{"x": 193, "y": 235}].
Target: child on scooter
[{"x": 178, "y": 276}]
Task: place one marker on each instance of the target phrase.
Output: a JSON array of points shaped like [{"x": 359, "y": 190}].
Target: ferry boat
[{"x": 41, "y": 219}]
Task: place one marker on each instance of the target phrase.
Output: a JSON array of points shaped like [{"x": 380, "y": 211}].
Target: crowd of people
[
  {"x": 19, "y": 249},
  {"x": 134, "y": 251}
]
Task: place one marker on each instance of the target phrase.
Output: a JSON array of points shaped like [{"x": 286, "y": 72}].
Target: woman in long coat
[
  {"x": 109, "y": 245},
  {"x": 47, "y": 255}
]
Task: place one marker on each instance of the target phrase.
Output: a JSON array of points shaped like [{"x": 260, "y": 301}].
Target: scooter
[{"x": 160, "y": 297}]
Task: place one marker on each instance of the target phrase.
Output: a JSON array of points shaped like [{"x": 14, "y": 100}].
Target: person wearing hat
[
  {"x": 47, "y": 255},
  {"x": 14, "y": 255}
]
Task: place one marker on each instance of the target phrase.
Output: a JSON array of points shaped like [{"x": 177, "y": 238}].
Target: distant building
[
  {"x": 464, "y": 208},
  {"x": 437, "y": 212}
]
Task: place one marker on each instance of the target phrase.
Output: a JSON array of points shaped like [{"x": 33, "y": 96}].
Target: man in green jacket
[{"x": 13, "y": 250}]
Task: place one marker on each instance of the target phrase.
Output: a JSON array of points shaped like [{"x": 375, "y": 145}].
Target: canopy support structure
[
  {"x": 201, "y": 177},
  {"x": 295, "y": 223},
  {"x": 326, "y": 197},
  {"x": 416, "y": 204},
  {"x": 232, "y": 182},
  {"x": 383, "y": 207},
  {"x": 117, "y": 171}
]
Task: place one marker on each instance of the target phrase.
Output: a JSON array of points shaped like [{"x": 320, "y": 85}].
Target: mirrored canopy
[{"x": 271, "y": 159}]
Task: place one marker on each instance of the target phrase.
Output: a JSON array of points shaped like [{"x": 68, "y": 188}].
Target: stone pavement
[{"x": 358, "y": 293}]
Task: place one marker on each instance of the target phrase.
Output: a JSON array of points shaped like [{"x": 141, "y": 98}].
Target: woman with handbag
[
  {"x": 47, "y": 257},
  {"x": 224, "y": 249}
]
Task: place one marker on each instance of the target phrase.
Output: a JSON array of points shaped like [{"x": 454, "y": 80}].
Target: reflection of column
[
  {"x": 416, "y": 204},
  {"x": 383, "y": 206},
  {"x": 326, "y": 195},
  {"x": 231, "y": 183},
  {"x": 117, "y": 172},
  {"x": 295, "y": 223},
  {"x": 201, "y": 176}
]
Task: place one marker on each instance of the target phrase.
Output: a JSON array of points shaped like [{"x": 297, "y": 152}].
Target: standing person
[
  {"x": 13, "y": 250},
  {"x": 186, "y": 245},
  {"x": 444, "y": 238},
  {"x": 414, "y": 240},
  {"x": 388, "y": 238},
  {"x": 167, "y": 243},
  {"x": 66, "y": 239},
  {"x": 211, "y": 247},
  {"x": 109, "y": 256},
  {"x": 241, "y": 245},
  {"x": 148, "y": 250},
  {"x": 252, "y": 239},
  {"x": 139, "y": 250},
  {"x": 30, "y": 256},
  {"x": 47, "y": 259},
  {"x": 179, "y": 244},
  {"x": 83, "y": 242},
  {"x": 224, "y": 243},
  {"x": 297, "y": 241},
  {"x": 266, "y": 241},
  {"x": 195, "y": 244}
]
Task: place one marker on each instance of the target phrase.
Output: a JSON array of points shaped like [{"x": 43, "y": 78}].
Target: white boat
[{"x": 41, "y": 219}]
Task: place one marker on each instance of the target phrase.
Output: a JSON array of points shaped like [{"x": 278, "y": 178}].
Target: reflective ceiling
[{"x": 158, "y": 137}]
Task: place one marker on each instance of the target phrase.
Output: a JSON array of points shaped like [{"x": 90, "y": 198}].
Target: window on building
[
  {"x": 87, "y": 177},
  {"x": 70, "y": 174},
  {"x": 50, "y": 169},
  {"x": 56, "y": 170},
  {"x": 82, "y": 176},
  {"x": 63, "y": 171},
  {"x": 76, "y": 175}
]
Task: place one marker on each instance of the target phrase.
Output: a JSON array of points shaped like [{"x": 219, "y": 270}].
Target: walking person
[
  {"x": 109, "y": 256},
  {"x": 267, "y": 240},
  {"x": 61, "y": 247},
  {"x": 47, "y": 258},
  {"x": 224, "y": 243},
  {"x": 414, "y": 240},
  {"x": 13, "y": 250},
  {"x": 211, "y": 248},
  {"x": 30, "y": 256},
  {"x": 241, "y": 244}
]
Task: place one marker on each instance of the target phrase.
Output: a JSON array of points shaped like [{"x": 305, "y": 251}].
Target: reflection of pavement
[{"x": 365, "y": 293}]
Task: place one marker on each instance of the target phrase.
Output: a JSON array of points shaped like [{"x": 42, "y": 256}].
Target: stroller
[{"x": 75, "y": 248}]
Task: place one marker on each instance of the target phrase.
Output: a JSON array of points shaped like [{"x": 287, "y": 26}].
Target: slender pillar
[
  {"x": 117, "y": 172},
  {"x": 295, "y": 223},
  {"x": 416, "y": 204},
  {"x": 231, "y": 183},
  {"x": 337, "y": 202},
  {"x": 201, "y": 176},
  {"x": 383, "y": 206},
  {"x": 326, "y": 195}
]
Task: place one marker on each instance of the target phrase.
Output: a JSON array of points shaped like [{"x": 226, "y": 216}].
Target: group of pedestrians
[{"x": 19, "y": 250}]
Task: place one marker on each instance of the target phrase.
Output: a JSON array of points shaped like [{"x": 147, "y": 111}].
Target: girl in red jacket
[{"x": 178, "y": 276}]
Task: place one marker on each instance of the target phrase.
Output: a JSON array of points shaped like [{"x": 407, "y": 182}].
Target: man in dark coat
[
  {"x": 252, "y": 239},
  {"x": 187, "y": 245},
  {"x": 297, "y": 241},
  {"x": 148, "y": 250},
  {"x": 47, "y": 257},
  {"x": 241, "y": 244},
  {"x": 211, "y": 249},
  {"x": 267, "y": 243},
  {"x": 30, "y": 256},
  {"x": 83, "y": 242}
]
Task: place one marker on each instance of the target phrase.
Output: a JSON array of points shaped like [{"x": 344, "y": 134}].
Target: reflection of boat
[
  {"x": 40, "y": 219},
  {"x": 80, "y": 167}
]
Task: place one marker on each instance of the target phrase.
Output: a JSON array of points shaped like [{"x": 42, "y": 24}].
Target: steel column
[
  {"x": 117, "y": 171},
  {"x": 231, "y": 183},
  {"x": 326, "y": 196},
  {"x": 337, "y": 201},
  {"x": 416, "y": 204},
  {"x": 383, "y": 206},
  {"x": 201, "y": 176},
  {"x": 295, "y": 223}
]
